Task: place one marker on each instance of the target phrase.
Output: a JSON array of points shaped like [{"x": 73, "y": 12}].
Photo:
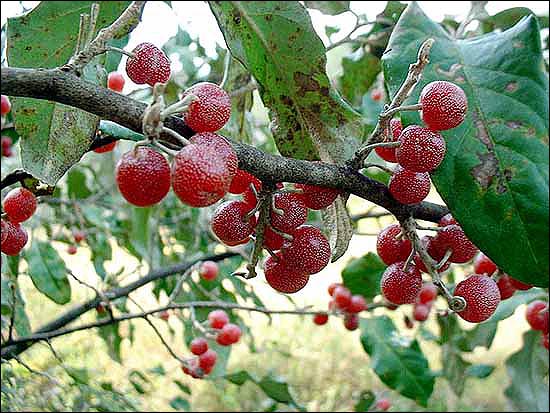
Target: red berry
[
  {"x": 20, "y": 204},
  {"x": 207, "y": 359},
  {"x": 14, "y": 238},
  {"x": 453, "y": 237},
  {"x": 544, "y": 341},
  {"x": 208, "y": 270},
  {"x": 250, "y": 199},
  {"x": 106, "y": 148},
  {"x": 444, "y": 105},
  {"x": 229, "y": 334},
  {"x": 309, "y": 251},
  {"x": 143, "y": 176},
  {"x": 241, "y": 182},
  {"x": 198, "y": 346},
  {"x": 283, "y": 277},
  {"x": 390, "y": 248},
  {"x": 421, "y": 312},
  {"x": 272, "y": 240},
  {"x": 6, "y": 146},
  {"x": 218, "y": 319},
  {"x": 482, "y": 297},
  {"x": 351, "y": 321},
  {"x": 428, "y": 293},
  {"x": 388, "y": 154},
  {"x": 149, "y": 65},
  {"x": 342, "y": 297},
  {"x": 537, "y": 315},
  {"x": 210, "y": 111},
  {"x": 399, "y": 286},
  {"x": 357, "y": 304},
  {"x": 5, "y": 105},
  {"x": 71, "y": 249},
  {"x": 230, "y": 225},
  {"x": 484, "y": 265},
  {"x": 447, "y": 220},
  {"x": 409, "y": 187},
  {"x": 294, "y": 212},
  {"x": 164, "y": 315},
  {"x": 101, "y": 309},
  {"x": 320, "y": 318},
  {"x": 421, "y": 149},
  {"x": 79, "y": 236},
  {"x": 505, "y": 287},
  {"x": 201, "y": 175},
  {"x": 332, "y": 305},
  {"x": 332, "y": 287},
  {"x": 518, "y": 285},
  {"x": 317, "y": 197},
  {"x": 376, "y": 95},
  {"x": 435, "y": 251},
  {"x": 383, "y": 404},
  {"x": 115, "y": 81}
]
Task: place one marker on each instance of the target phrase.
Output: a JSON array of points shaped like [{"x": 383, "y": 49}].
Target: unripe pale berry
[
  {"x": 218, "y": 319},
  {"x": 409, "y": 187},
  {"x": 309, "y": 251},
  {"x": 505, "y": 287},
  {"x": 294, "y": 212},
  {"x": 357, "y": 304},
  {"x": 481, "y": 295},
  {"x": 208, "y": 359},
  {"x": 351, "y": 321},
  {"x": 421, "y": 149},
  {"x": 15, "y": 238},
  {"x": 229, "y": 334},
  {"x": 208, "y": 270},
  {"x": 320, "y": 318},
  {"x": 115, "y": 81},
  {"x": 453, "y": 237},
  {"x": 428, "y": 293},
  {"x": 399, "y": 286},
  {"x": 143, "y": 176},
  {"x": 317, "y": 197},
  {"x": 390, "y": 248},
  {"x": 149, "y": 65},
  {"x": 210, "y": 111},
  {"x": 282, "y": 277},
  {"x": 444, "y": 105},
  {"x": 242, "y": 181},
  {"x": 230, "y": 224},
  {"x": 484, "y": 265},
  {"x": 388, "y": 154},
  {"x": 20, "y": 204},
  {"x": 537, "y": 315},
  {"x": 106, "y": 148},
  {"x": 198, "y": 346},
  {"x": 421, "y": 312}
]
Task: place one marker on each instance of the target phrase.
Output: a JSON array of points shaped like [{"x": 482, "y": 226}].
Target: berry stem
[
  {"x": 94, "y": 13},
  {"x": 369, "y": 148},
  {"x": 178, "y": 107},
  {"x": 286, "y": 236},
  {"x": 444, "y": 260},
  {"x": 163, "y": 148},
  {"x": 391, "y": 112},
  {"x": 176, "y": 135},
  {"x": 422, "y": 228},
  {"x": 118, "y": 50},
  {"x": 278, "y": 211},
  {"x": 382, "y": 167}
]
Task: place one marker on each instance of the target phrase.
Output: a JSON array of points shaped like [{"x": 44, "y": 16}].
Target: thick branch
[{"x": 66, "y": 88}]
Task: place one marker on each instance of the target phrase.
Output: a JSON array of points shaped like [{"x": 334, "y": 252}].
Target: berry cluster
[
  {"x": 343, "y": 302},
  {"x": 506, "y": 284},
  {"x": 19, "y": 205},
  {"x": 424, "y": 302},
  {"x": 422, "y": 149},
  {"x": 204, "y": 359}
]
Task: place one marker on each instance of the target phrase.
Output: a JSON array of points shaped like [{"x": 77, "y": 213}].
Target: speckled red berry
[
  {"x": 143, "y": 176},
  {"x": 5, "y": 105},
  {"x": 447, "y": 220},
  {"x": 208, "y": 359},
  {"x": 229, "y": 334},
  {"x": 399, "y": 286},
  {"x": 320, "y": 318},
  {"x": 444, "y": 105},
  {"x": 272, "y": 240},
  {"x": 242, "y": 181},
  {"x": 230, "y": 223},
  {"x": 388, "y": 154},
  {"x": 218, "y": 318},
  {"x": 282, "y": 277},
  {"x": 115, "y": 81},
  {"x": 537, "y": 315},
  {"x": 20, "y": 204},
  {"x": 106, "y": 148},
  {"x": 317, "y": 197},
  {"x": 484, "y": 265},
  {"x": 481, "y": 295},
  {"x": 309, "y": 251},
  {"x": 209, "y": 270},
  {"x": 148, "y": 65},
  {"x": 198, "y": 346},
  {"x": 518, "y": 285},
  {"x": 421, "y": 149},
  {"x": 421, "y": 312},
  {"x": 453, "y": 237},
  {"x": 15, "y": 239},
  {"x": 409, "y": 187},
  {"x": 210, "y": 111},
  {"x": 357, "y": 304},
  {"x": 428, "y": 293},
  {"x": 505, "y": 287},
  {"x": 294, "y": 212},
  {"x": 390, "y": 248},
  {"x": 351, "y": 321}
]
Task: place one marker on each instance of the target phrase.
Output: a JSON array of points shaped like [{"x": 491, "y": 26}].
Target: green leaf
[
  {"x": 495, "y": 175},
  {"x": 48, "y": 272},
  {"x": 183, "y": 387},
  {"x": 120, "y": 132},
  {"x": 276, "y": 389},
  {"x": 359, "y": 71},
  {"x": 111, "y": 335},
  {"x": 328, "y": 7},
  {"x": 239, "y": 378},
  {"x": 76, "y": 185},
  {"x": 397, "y": 360},
  {"x": 79, "y": 375},
  {"x": 277, "y": 44},
  {"x": 480, "y": 371},
  {"x": 362, "y": 275},
  {"x": 179, "y": 403},
  {"x": 454, "y": 367},
  {"x": 101, "y": 252},
  {"x": 505, "y": 19},
  {"x": 140, "y": 230},
  {"x": 365, "y": 402},
  {"x": 528, "y": 372}
]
